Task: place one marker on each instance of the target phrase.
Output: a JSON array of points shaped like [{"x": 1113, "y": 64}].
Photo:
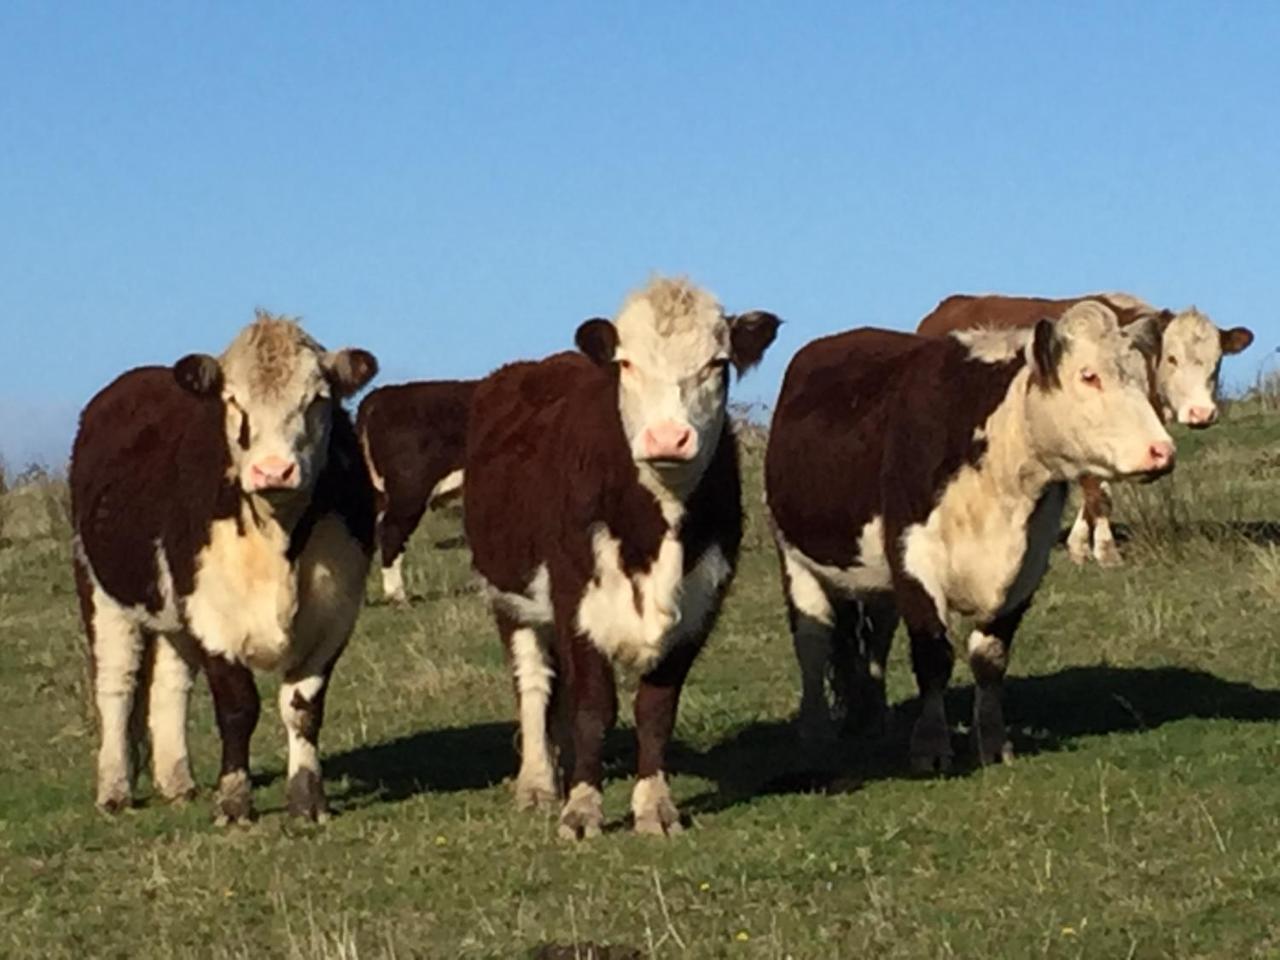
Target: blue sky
[{"x": 454, "y": 185}]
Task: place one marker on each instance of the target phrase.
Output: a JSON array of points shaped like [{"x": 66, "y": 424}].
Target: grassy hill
[{"x": 1142, "y": 818}]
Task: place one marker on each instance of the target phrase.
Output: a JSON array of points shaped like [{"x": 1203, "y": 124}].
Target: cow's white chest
[
  {"x": 981, "y": 553},
  {"x": 637, "y": 618},
  {"x": 245, "y": 594}
]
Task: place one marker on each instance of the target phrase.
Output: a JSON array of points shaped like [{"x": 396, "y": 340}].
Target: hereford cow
[
  {"x": 224, "y": 520},
  {"x": 602, "y": 507},
  {"x": 921, "y": 477},
  {"x": 1186, "y": 361},
  {"x": 413, "y": 436}
]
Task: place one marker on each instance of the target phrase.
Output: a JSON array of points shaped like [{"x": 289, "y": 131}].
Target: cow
[
  {"x": 604, "y": 515},
  {"x": 1185, "y": 382},
  {"x": 911, "y": 478},
  {"x": 413, "y": 436},
  {"x": 223, "y": 521}
]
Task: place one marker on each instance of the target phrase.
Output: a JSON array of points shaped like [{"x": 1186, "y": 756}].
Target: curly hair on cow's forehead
[{"x": 675, "y": 302}]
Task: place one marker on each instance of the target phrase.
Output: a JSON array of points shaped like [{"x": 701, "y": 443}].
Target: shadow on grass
[{"x": 1045, "y": 714}]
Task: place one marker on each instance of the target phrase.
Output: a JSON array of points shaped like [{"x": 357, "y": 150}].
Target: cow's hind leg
[
  {"x": 657, "y": 700},
  {"x": 872, "y": 622},
  {"x": 116, "y": 648},
  {"x": 989, "y": 648},
  {"x": 236, "y": 706},
  {"x": 169, "y": 692},
  {"x": 395, "y": 525},
  {"x": 1080, "y": 539},
  {"x": 813, "y": 622},
  {"x": 535, "y": 679},
  {"x": 594, "y": 710},
  {"x": 1105, "y": 550}
]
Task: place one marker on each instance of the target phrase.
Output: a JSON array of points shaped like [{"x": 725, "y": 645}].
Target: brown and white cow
[
  {"x": 921, "y": 477},
  {"x": 603, "y": 510},
  {"x": 414, "y": 437},
  {"x": 223, "y": 520},
  {"x": 1186, "y": 360}
]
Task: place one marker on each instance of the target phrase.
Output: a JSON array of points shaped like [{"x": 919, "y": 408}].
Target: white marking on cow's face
[
  {"x": 673, "y": 357},
  {"x": 1190, "y": 356},
  {"x": 1099, "y": 420}
]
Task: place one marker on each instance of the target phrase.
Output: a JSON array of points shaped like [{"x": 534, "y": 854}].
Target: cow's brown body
[
  {"x": 964, "y": 311},
  {"x": 414, "y": 440}
]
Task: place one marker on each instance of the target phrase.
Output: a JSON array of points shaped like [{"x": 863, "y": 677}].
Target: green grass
[{"x": 1142, "y": 818}]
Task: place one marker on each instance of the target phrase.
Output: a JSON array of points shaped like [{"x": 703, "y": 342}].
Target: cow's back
[
  {"x": 416, "y": 429},
  {"x": 149, "y": 467},
  {"x": 827, "y": 435},
  {"x": 991, "y": 311}
]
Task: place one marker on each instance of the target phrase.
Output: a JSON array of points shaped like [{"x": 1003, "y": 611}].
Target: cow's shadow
[{"x": 1045, "y": 714}]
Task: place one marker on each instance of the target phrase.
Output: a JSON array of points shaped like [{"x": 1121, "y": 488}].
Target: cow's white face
[
  {"x": 1089, "y": 406},
  {"x": 278, "y": 389},
  {"x": 672, "y": 347},
  {"x": 1191, "y": 352}
]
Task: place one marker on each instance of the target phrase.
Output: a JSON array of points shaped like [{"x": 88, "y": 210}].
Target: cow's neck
[
  {"x": 284, "y": 514},
  {"x": 672, "y": 489},
  {"x": 1011, "y": 461}
]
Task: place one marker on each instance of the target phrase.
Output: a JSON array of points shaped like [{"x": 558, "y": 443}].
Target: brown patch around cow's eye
[{"x": 244, "y": 430}]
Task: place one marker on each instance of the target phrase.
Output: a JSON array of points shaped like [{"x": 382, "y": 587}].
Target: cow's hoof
[
  {"x": 583, "y": 815},
  {"x": 233, "y": 802},
  {"x": 1108, "y": 555},
  {"x": 536, "y": 794},
  {"x": 177, "y": 786},
  {"x": 930, "y": 748},
  {"x": 306, "y": 797},
  {"x": 113, "y": 800},
  {"x": 654, "y": 811},
  {"x": 992, "y": 746},
  {"x": 1078, "y": 556}
]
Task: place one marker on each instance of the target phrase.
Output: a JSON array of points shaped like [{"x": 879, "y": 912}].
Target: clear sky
[{"x": 453, "y": 185}]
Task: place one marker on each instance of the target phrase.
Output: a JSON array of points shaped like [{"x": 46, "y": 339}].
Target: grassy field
[{"x": 1142, "y": 818}]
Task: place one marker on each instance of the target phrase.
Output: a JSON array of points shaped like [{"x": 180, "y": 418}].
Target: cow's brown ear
[
  {"x": 1046, "y": 351},
  {"x": 749, "y": 337},
  {"x": 1236, "y": 339},
  {"x": 598, "y": 339},
  {"x": 350, "y": 369},
  {"x": 1163, "y": 319},
  {"x": 199, "y": 373}
]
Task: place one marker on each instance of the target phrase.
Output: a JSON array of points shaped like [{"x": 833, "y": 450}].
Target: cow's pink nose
[
  {"x": 669, "y": 441},
  {"x": 1160, "y": 455},
  {"x": 273, "y": 473},
  {"x": 1201, "y": 416}
]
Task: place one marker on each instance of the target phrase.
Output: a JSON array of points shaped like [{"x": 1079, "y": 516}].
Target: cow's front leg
[
  {"x": 1105, "y": 550},
  {"x": 236, "y": 706},
  {"x": 989, "y": 648},
  {"x": 931, "y": 660},
  {"x": 657, "y": 700},
  {"x": 302, "y": 697},
  {"x": 594, "y": 710}
]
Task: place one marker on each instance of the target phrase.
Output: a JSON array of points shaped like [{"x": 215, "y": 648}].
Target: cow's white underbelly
[{"x": 870, "y": 574}]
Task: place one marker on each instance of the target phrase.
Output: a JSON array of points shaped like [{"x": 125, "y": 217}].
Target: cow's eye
[
  {"x": 1090, "y": 378},
  {"x": 1172, "y": 361},
  {"x": 624, "y": 364},
  {"x": 244, "y": 430}
]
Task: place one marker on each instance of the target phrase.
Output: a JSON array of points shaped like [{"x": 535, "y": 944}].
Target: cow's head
[
  {"x": 1089, "y": 401},
  {"x": 1191, "y": 352},
  {"x": 671, "y": 348},
  {"x": 279, "y": 388}
]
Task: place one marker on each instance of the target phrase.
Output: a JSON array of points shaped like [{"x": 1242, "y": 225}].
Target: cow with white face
[
  {"x": 603, "y": 509},
  {"x": 920, "y": 477},
  {"x": 223, "y": 520},
  {"x": 1191, "y": 352}
]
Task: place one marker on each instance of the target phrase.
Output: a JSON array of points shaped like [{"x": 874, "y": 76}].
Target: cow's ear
[
  {"x": 1163, "y": 319},
  {"x": 598, "y": 339},
  {"x": 1145, "y": 335},
  {"x": 1236, "y": 339},
  {"x": 1046, "y": 353},
  {"x": 749, "y": 337},
  {"x": 199, "y": 373},
  {"x": 349, "y": 370}
]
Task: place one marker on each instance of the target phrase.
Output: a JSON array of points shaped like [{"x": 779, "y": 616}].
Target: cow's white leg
[
  {"x": 168, "y": 696},
  {"x": 534, "y": 675},
  {"x": 989, "y": 659},
  {"x": 393, "y": 581},
  {"x": 652, "y": 808},
  {"x": 582, "y": 816},
  {"x": 302, "y": 710},
  {"x": 812, "y": 623},
  {"x": 1079, "y": 538},
  {"x": 1105, "y": 550},
  {"x": 117, "y": 656}
]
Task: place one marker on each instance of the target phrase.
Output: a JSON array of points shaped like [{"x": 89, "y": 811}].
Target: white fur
[
  {"x": 533, "y": 606},
  {"x": 1078, "y": 539},
  {"x": 534, "y": 674},
  {"x": 870, "y": 574},
  {"x": 117, "y": 655},
  {"x": 449, "y": 486},
  {"x": 393, "y": 580},
  {"x": 170, "y": 692},
  {"x": 1190, "y": 355}
]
